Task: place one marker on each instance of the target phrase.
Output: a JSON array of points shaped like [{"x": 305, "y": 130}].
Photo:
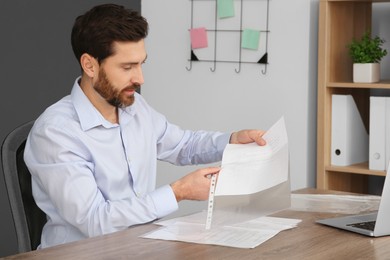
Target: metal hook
[
  {"x": 213, "y": 69},
  {"x": 188, "y": 69},
  {"x": 264, "y": 71},
  {"x": 239, "y": 68}
]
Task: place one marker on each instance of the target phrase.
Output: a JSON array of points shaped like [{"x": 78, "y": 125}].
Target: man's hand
[
  {"x": 195, "y": 185},
  {"x": 248, "y": 136}
]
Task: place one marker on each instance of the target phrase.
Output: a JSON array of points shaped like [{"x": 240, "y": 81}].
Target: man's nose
[{"x": 138, "y": 76}]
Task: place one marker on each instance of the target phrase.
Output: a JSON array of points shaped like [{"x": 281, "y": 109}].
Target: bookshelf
[{"x": 340, "y": 22}]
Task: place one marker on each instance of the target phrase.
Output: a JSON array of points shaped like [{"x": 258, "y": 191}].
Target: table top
[{"x": 307, "y": 241}]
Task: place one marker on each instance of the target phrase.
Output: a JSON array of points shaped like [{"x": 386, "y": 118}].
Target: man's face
[{"x": 120, "y": 75}]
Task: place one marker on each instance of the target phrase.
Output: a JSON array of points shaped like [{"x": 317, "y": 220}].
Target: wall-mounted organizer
[{"x": 226, "y": 35}]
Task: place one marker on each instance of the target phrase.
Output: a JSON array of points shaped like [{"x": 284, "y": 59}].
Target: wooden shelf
[
  {"x": 341, "y": 21},
  {"x": 383, "y": 84},
  {"x": 360, "y": 168}
]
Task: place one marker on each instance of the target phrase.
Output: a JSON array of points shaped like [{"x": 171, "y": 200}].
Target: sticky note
[
  {"x": 198, "y": 38},
  {"x": 225, "y": 8},
  {"x": 250, "y": 39}
]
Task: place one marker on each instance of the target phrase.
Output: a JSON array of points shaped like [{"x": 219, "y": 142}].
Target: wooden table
[{"x": 307, "y": 241}]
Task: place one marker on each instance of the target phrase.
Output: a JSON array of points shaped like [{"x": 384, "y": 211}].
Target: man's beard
[{"x": 113, "y": 96}]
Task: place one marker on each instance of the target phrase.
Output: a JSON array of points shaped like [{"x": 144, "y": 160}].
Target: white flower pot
[{"x": 366, "y": 72}]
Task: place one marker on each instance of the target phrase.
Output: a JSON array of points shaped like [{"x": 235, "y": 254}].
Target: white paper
[
  {"x": 256, "y": 182},
  {"x": 250, "y": 168},
  {"x": 253, "y": 182},
  {"x": 242, "y": 235}
]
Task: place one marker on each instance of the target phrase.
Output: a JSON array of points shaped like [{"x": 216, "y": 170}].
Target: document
[
  {"x": 252, "y": 183},
  {"x": 241, "y": 235},
  {"x": 254, "y": 180},
  {"x": 250, "y": 168}
]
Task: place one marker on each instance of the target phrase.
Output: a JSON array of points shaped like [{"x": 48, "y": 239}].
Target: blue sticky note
[
  {"x": 225, "y": 8},
  {"x": 250, "y": 39}
]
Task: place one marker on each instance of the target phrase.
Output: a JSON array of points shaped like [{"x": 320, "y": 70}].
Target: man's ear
[{"x": 89, "y": 65}]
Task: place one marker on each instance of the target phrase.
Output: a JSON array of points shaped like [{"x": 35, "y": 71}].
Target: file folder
[
  {"x": 379, "y": 140},
  {"x": 349, "y": 140}
]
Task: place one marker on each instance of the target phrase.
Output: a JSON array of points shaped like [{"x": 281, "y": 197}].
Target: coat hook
[
  {"x": 213, "y": 68},
  {"x": 188, "y": 69},
  {"x": 239, "y": 68},
  {"x": 264, "y": 71}
]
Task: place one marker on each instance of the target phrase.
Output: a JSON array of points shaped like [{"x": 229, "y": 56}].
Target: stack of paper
[
  {"x": 243, "y": 235},
  {"x": 253, "y": 182}
]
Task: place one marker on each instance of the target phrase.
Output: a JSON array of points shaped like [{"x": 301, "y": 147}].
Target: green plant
[{"x": 367, "y": 50}]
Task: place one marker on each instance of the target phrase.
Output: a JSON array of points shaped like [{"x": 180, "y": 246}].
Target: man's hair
[{"x": 95, "y": 31}]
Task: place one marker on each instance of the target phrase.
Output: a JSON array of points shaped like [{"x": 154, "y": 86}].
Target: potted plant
[{"x": 366, "y": 55}]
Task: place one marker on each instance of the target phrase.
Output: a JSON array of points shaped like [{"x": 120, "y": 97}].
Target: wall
[
  {"x": 37, "y": 68},
  {"x": 227, "y": 101}
]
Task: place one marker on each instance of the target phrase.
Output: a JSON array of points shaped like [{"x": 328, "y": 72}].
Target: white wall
[{"x": 225, "y": 100}]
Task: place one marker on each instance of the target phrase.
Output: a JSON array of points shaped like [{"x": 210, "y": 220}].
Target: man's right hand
[{"x": 195, "y": 185}]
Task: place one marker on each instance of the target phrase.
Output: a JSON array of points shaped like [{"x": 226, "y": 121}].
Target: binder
[
  {"x": 349, "y": 137},
  {"x": 379, "y": 140}
]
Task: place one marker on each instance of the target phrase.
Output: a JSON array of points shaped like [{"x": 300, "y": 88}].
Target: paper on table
[
  {"x": 260, "y": 223},
  {"x": 242, "y": 235},
  {"x": 236, "y": 221},
  {"x": 250, "y": 168},
  {"x": 223, "y": 236}
]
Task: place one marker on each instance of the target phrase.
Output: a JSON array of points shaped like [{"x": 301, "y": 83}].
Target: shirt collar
[{"x": 89, "y": 116}]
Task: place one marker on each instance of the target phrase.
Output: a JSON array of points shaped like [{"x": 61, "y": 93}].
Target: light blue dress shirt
[{"x": 92, "y": 177}]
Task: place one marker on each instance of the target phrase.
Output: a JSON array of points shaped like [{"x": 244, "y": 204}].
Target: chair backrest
[{"x": 28, "y": 218}]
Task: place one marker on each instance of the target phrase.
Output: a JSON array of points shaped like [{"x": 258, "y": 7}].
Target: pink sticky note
[{"x": 198, "y": 38}]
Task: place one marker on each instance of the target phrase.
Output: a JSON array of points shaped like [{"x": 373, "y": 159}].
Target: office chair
[{"x": 28, "y": 218}]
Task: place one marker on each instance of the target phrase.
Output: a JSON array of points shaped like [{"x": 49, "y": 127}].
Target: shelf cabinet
[{"x": 339, "y": 23}]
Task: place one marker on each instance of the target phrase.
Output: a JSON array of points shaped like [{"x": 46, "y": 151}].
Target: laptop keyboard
[{"x": 369, "y": 225}]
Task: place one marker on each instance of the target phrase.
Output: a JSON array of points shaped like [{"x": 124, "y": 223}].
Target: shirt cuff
[{"x": 164, "y": 201}]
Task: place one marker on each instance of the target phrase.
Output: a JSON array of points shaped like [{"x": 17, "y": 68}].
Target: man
[{"x": 92, "y": 155}]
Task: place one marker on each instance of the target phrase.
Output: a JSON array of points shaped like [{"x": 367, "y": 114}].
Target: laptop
[{"x": 373, "y": 224}]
